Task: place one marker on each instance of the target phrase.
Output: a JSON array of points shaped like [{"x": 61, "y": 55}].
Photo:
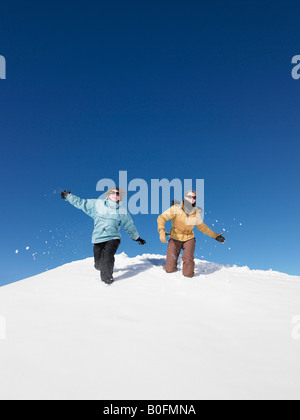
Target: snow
[{"x": 228, "y": 333}]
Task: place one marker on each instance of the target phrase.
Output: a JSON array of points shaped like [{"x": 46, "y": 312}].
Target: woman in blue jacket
[{"x": 108, "y": 217}]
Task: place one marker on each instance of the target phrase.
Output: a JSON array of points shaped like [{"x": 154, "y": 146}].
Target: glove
[
  {"x": 220, "y": 238},
  {"x": 162, "y": 236},
  {"x": 140, "y": 241},
  {"x": 64, "y": 194}
]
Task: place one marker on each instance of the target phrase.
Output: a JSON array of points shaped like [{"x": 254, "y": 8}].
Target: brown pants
[{"x": 173, "y": 253}]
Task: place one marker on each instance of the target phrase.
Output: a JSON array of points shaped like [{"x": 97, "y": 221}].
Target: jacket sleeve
[
  {"x": 129, "y": 226},
  {"x": 205, "y": 229},
  {"x": 88, "y": 206},
  {"x": 163, "y": 218}
]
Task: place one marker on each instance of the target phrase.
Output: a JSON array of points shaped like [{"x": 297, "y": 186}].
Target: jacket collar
[
  {"x": 109, "y": 203},
  {"x": 196, "y": 209}
]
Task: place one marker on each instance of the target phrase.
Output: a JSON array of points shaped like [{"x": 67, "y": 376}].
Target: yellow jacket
[{"x": 183, "y": 224}]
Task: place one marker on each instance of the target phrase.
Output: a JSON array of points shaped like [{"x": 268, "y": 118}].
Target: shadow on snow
[{"x": 201, "y": 268}]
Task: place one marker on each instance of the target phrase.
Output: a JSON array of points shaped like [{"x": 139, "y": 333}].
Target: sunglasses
[
  {"x": 191, "y": 196},
  {"x": 115, "y": 193}
]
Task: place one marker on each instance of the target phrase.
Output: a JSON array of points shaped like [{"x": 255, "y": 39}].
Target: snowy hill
[{"x": 225, "y": 334}]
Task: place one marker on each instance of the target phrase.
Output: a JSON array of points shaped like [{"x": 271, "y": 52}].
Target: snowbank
[{"x": 225, "y": 334}]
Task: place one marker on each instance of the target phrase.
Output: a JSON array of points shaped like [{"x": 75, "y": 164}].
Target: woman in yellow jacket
[{"x": 185, "y": 216}]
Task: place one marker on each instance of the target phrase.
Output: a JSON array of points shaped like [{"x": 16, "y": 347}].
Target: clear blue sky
[{"x": 163, "y": 90}]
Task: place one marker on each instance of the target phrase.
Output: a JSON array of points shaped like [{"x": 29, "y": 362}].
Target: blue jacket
[{"x": 108, "y": 218}]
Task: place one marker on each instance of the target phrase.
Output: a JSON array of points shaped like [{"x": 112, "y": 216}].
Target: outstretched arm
[
  {"x": 88, "y": 206},
  {"x": 129, "y": 226},
  {"x": 205, "y": 229}
]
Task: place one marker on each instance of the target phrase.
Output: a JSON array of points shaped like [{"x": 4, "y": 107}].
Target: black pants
[{"x": 104, "y": 255}]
